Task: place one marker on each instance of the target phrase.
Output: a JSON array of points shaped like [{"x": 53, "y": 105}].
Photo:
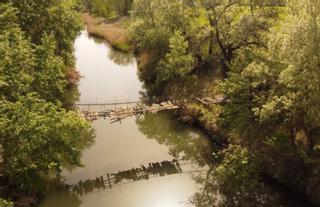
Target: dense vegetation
[
  {"x": 109, "y": 8},
  {"x": 37, "y": 134},
  {"x": 263, "y": 56}
]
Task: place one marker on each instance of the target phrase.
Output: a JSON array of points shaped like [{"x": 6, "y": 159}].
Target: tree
[
  {"x": 122, "y": 6},
  {"x": 177, "y": 62},
  {"x": 102, "y": 8},
  {"x": 107, "y": 8},
  {"x": 296, "y": 48},
  {"x": 49, "y": 79},
  {"x": 17, "y": 59},
  {"x": 39, "y": 17},
  {"x": 155, "y": 21},
  {"x": 234, "y": 26},
  {"x": 280, "y": 88},
  {"x": 37, "y": 138},
  {"x": 65, "y": 24}
]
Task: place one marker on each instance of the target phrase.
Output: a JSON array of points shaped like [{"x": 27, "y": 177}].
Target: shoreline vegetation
[{"x": 113, "y": 31}]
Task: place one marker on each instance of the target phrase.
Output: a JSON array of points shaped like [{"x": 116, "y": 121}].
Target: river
[{"x": 111, "y": 76}]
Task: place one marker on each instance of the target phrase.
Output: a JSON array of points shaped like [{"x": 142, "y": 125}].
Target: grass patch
[
  {"x": 113, "y": 31},
  {"x": 124, "y": 47}
]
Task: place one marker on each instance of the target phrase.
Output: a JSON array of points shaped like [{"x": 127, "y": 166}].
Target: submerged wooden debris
[{"x": 135, "y": 174}]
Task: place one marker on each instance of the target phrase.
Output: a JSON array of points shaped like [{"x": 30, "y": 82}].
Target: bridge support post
[{"x": 109, "y": 181}]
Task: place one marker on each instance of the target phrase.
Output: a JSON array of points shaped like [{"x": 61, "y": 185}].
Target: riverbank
[{"x": 113, "y": 31}]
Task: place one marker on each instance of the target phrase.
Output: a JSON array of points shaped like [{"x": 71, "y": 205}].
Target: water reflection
[
  {"x": 253, "y": 193},
  {"x": 144, "y": 172},
  {"x": 189, "y": 143},
  {"x": 64, "y": 198},
  {"x": 118, "y": 57},
  {"x": 227, "y": 192},
  {"x": 133, "y": 175},
  {"x": 121, "y": 58}
]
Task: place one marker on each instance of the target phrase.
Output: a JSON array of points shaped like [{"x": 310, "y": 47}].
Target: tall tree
[
  {"x": 280, "y": 89},
  {"x": 177, "y": 62},
  {"x": 39, "y": 17},
  {"x": 17, "y": 59},
  {"x": 49, "y": 79},
  {"x": 234, "y": 26}
]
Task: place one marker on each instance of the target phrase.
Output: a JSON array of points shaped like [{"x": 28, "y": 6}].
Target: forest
[{"x": 263, "y": 57}]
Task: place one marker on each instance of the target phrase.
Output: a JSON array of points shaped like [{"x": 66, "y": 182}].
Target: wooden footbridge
[
  {"x": 121, "y": 110},
  {"x": 116, "y": 111}
]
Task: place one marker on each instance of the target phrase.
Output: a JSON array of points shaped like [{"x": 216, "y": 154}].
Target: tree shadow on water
[
  {"x": 61, "y": 199},
  {"x": 121, "y": 58},
  {"x": 182, "y": 140}
]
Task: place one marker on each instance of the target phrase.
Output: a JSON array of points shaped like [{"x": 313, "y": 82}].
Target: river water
[{"x": 111, "y": 76}]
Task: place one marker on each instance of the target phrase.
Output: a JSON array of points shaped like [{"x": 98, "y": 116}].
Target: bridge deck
[{"x": 122, "y": 112}]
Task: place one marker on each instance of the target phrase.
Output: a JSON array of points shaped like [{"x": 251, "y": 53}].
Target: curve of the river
[{"x": 109, "y": 75}]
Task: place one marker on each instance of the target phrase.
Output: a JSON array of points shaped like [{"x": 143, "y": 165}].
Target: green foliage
[
  {"x": 233, "y": 27},
  {"x": 38, "y": 17},
  {"x": 280, "y": 88},
  {"x": 24, "y": 69},
  {"x": 121, "y": 46},
  {"x": 17, "y": 61},
  {"x": 154, "y": 23},
  {"x": 8, "y": 18},
  {"x": 153, "y": 29},
  {"x": 122, "y": 6},
  {"x": 5, "y": 203},
  {"x": 237, "y": 167},
  {"x": 297, "y": 46},
  {"x": 37, "y": 138},
  {"x": 36, "y": 134},
  {"x": 177, "y": 62},
  {"x": 49, "y": 79},
  {"x": 66, "y": 25},
  {"x": 234, "y": 181},
  {"x": 101, "y": 8},
  {"x": 108, "y": 8},
  {"x": 268, "y": 52}
]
